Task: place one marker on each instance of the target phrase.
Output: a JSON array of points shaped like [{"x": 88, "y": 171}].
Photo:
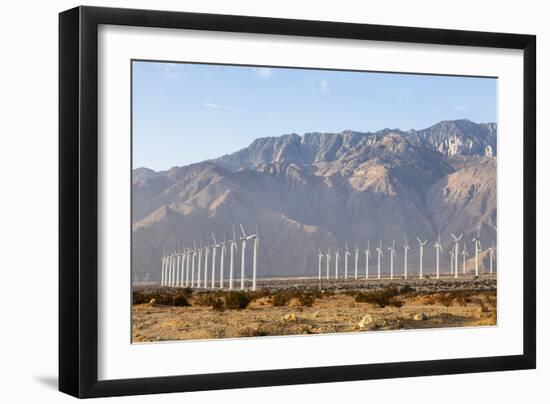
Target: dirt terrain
[{"x": 297, "y": 306}]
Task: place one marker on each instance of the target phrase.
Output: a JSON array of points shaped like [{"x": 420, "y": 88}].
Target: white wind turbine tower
[
  {"x": 367, "y": 255},
  {"x": 177, "y": 270},
  {"x": 169, "y": 271},
  {"x": 405, "y": 251},
  {"x": 168, "y": 277},
  {"x": 183, "y": 266},
  {"x": 243, "y": 257},
  {"x": 464, "y": 254},
  {"x": 336, "y": 261},
  {"x": 232, "y": 247},
  {"x": 194, "y": 256},
  {"x": 187, "y": 266},
  {"x": 491, "y": 256},
  {"x": 346, "y": 255},
  {"x": 320, "y": 256},
  {"x": 457, "y": 241},
  {"x": 256, "y": 238},
  {"x": 380, "y": 254},
  {"x": 392, "y": 254},
  {"x": 328, "y": 263},
  {"x": 356, "y": 261},
  {"x": 438, "y": 249},
  {"x": 452, "y": 252},
  {"x": 214, "y": 251},
  {"x": 162, "y": 260},
  {"x": 222, "y": 256},
  {"x": 477, "y": 244},
  {"x": 206, "y": 252},
  {"x": 421, "y": 245},
  {"x": 199, "y": 265}
]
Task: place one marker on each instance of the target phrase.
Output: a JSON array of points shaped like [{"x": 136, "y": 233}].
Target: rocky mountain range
[{"x": 323, "y": 190}]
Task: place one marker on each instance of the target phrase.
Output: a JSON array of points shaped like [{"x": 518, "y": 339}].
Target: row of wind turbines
[
  {"x": 178, "y": 269},
  {"x": 454, "y": 254}
]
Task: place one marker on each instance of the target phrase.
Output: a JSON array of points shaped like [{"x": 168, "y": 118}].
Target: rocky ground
[{"x": 429, "y": 304}]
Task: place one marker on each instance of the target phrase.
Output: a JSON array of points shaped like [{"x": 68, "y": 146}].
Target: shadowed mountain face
[{"x": 323, "y": 190}]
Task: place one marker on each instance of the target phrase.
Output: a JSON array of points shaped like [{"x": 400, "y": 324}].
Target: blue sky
[{"x": 185, "y": 113}]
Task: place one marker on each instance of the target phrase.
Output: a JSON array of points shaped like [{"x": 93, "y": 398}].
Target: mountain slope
[{"x": 322, "y": 191}]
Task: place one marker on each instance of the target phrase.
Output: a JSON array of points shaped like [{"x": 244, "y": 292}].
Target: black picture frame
[{"x": 78, "y": 201}]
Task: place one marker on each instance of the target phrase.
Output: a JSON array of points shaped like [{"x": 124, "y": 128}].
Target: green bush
[
  {"x": 139, "y": 298},
  {"x": 306, "y": 299},
  {"x": 237, "y": 300},
  {"x": 180, "y": 300},
  {"x": 279, "y": 299},
  {"x": 217, "y": 304},
  {"x": 380, "y": 298}
]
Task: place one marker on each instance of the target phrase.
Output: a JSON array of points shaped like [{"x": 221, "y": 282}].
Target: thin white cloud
[
  {"x": 324, "y": 86},
  {"x": 460, "y": 108},
  {"x": 217, "y": 106},
  {"x": 263, "y": 72}
]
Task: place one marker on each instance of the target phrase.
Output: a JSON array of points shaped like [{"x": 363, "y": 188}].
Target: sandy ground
[{"x": 330, "y": 314}]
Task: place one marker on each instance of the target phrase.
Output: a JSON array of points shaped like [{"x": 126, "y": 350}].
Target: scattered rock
[
  {"x": 420, "y": 317},
  {"x": 367, "y": 322},
  {"x": 290, "y": 317}
]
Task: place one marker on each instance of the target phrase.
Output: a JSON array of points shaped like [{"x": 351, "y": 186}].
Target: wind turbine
[
  {"x": 336, "y": 261},
  {"x": 222, "y": 256},
  {"x": 328, "y": 263},
  {"x": 187, "y": 266},
  {"x": 214, "y": 250},
  {"x": 346, "y": 255},
  {"x": 457, "y": 240},
  {"x": 491, "y": 256},
  {"x": 392, "y": 254},
  {"x": 438, "y": 249},
  {"x": 367, "y": 255},
  {"x": 452, "y": 252},
  {"x": 477, "y": 244},
  {"x": 320, "y": 256},
  {"x": 464, "y": 254},
  {"x": 405, "y": 251},
  {"x": 206, "y": 252},
  {"x": 356, "y": 261},
  {"x": 169, "y": 280},
  {"x": 421, "y": 245},
  {"x": 380, "y": 254},
  {"x": 199, "y": 265},
  {"x": 163, "y": 261},
  {"x": 179, "y": 261},
  {"x": 233, "y": 246},
  {"x": 256, "y": 238},
  {"x": 243, "y": 248},
  {"x": 194, "y": 256},
  {"x": 183, "y": 265}
]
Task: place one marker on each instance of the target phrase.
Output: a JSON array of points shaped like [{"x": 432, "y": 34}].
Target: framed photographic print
[{"x": 251, "y": 201}]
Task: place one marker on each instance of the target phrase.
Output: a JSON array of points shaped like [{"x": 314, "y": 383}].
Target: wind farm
[{"x": 250, "y": 221}]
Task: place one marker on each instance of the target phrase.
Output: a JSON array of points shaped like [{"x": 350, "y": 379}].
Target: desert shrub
[
  {"x": 217, "y": 304},
  {"x": 380, "y": 298},
  {"x": 205, "y": 300},
  {"x": 406, "y": 289},
  {"x": 446, "y": 299},
  {"x": 139, "y": 298},
  {"x": 306, "y": 299},
  {"x": 237, "y": 300},
  {"x": 180, "y": 300},
  {"x": 187, "y": 291},
  {"x": 279, "y": 299},
  {"x": 429, "y": 300}
]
